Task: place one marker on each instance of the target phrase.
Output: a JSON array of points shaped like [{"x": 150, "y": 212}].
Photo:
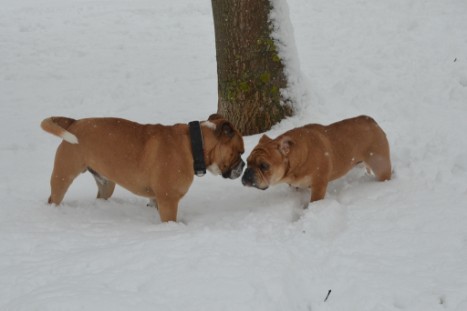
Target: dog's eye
[{"x": 264, "y": 167}]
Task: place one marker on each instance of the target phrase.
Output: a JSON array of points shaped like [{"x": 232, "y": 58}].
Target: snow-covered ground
[{"x": 398, "y": 245}]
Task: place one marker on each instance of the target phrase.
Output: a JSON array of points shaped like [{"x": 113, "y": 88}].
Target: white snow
[
  {"x": 297, "y": 92},
  {"x": 397, "y": 245}
]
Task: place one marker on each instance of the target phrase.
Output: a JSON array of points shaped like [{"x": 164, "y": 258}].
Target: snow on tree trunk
[{"x": 253, "y": 57}]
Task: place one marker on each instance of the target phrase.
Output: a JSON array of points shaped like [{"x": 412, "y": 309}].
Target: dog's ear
[
  {"x": 225, "y": 128},
  {"x": 215, "y": 116},
  {"x": 286, "y": 143},
  {"x": 264, "y": 139}
]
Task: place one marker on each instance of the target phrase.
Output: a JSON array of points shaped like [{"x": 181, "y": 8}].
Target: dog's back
[{"x": 356, "y": 140}]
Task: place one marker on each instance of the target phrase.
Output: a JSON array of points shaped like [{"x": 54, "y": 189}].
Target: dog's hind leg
[
  {"x": 105, "y": 186},
  {"x": 68, "y": 164}
]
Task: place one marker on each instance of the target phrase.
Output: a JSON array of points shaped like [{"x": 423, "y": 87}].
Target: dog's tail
[{"x": 58, "y": 126}]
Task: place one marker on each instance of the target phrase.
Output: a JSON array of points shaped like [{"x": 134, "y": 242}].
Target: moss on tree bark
[{"x": 249, "y": 68}]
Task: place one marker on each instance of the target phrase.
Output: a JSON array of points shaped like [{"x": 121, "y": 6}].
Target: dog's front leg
[
  {"x": 318, "y": 189},
  {"x": 168, "y": 209}
]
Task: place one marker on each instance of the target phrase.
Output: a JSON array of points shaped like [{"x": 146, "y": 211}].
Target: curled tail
[{"x": 58, "y": 126}]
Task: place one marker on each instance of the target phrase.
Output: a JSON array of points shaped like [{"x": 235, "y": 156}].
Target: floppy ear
[
  {"x": 264, "y": 139},
  {"x": 225, "y": 129},
  {"x": 215, "y": 116},
  {"x": 285, "y": 144}
]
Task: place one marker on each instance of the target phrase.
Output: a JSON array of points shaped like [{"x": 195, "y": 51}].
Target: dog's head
[
  {"x": 226, "y": 148},
  {"x": 267, "y": 163}
]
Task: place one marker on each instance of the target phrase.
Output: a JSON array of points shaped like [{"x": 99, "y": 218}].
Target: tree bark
[{"x": 249, "y": 70}]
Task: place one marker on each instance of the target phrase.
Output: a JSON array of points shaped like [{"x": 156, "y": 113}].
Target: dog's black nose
[{"x": 248, "y": 177}]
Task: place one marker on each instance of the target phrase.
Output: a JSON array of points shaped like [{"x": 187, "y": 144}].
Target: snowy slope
[{"x": 398, "y": 245}]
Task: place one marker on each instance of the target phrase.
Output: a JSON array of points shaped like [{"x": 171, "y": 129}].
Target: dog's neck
[{"x": 197, "y": 148}]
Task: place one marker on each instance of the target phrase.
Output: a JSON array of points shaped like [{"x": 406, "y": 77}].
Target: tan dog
[
  {"x": 313, "y": 155},
  {"x": 153, "y": 161}
]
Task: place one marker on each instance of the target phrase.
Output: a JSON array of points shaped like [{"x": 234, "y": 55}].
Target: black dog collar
[{"x": 197, "y": 148}]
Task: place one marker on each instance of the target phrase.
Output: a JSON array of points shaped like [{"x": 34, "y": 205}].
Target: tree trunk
[{"x": 249, "y": 70}]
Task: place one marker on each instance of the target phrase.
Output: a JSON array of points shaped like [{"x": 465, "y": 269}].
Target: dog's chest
[{"x": 300, "y": 182}]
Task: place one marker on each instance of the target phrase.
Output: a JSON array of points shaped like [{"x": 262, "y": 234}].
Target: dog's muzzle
[
  {"x": 236, "y": 171},
  {"x": 249, "y": 179}
]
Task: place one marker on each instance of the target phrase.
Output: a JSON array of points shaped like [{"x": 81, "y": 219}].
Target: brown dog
[
  {"x": 313, "y": 155},
  {"x": 154, "y": 161}
]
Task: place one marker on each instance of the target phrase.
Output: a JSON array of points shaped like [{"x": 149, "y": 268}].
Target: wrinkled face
[
  {"x": 267, "y": 164},
  {"x": 227, "y": 153}
]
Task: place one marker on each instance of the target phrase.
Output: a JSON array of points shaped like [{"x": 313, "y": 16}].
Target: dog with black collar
[{"x": 152, "y": 160}]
